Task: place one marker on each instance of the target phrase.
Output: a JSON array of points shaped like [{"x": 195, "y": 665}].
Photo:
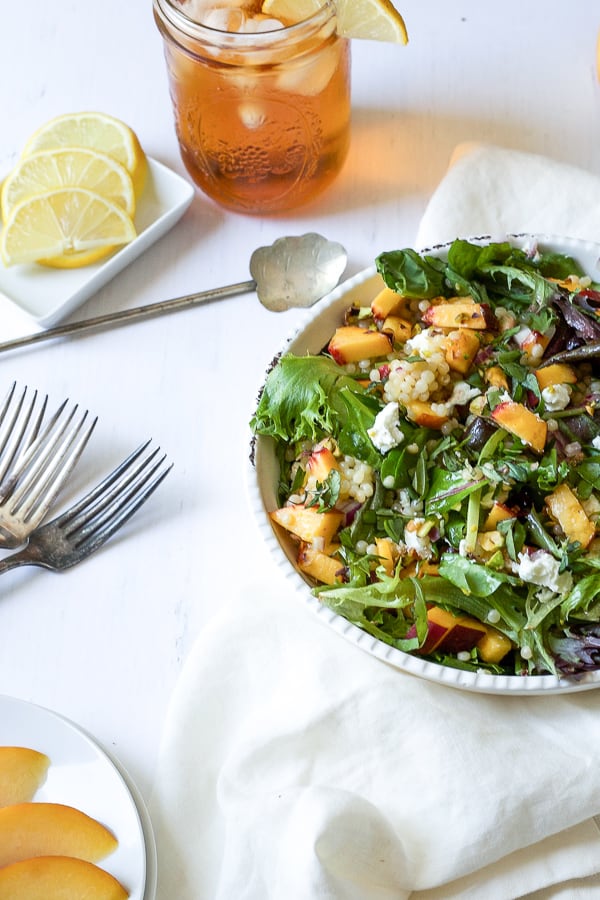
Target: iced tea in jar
[{"x": 261, "y": 104}]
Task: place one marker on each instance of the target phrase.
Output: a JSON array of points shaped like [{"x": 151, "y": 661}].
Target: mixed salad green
[{"x": 454, "y": 514}]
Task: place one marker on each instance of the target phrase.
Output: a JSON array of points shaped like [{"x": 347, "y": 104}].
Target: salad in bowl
[{"x": 433, "y": 432}]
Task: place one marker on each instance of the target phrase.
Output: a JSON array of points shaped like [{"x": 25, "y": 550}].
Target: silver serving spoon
[{"x": 293, "y": 271}]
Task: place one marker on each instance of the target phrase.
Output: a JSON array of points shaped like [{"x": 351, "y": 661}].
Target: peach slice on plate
[
  {"x": 22, "y": 772},
  {"x": 51, "y": 829},
  {"x": 58, "y": 878}
]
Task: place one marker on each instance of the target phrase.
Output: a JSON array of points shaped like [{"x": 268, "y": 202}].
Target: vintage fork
[
  {"x": 86, "y": 526},
  {"x": 36, "y": 458}
]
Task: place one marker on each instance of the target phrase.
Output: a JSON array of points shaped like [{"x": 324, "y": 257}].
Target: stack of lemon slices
[{"x": 71, "y": 198}]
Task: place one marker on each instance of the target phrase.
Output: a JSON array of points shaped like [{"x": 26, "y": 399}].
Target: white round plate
[
  {"x": 81, "y": 774},
  {"x": 311, "y": 335}
]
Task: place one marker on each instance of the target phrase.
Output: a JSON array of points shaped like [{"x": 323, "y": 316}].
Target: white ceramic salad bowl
[{"x": 312, "y": 333}]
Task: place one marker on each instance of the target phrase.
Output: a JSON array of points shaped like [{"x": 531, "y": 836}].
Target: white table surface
[{"x": 104, "y": 643}]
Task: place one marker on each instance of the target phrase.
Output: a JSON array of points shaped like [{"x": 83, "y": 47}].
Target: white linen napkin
[
  {"x": 295, "y": 766},
  {"x": 490, "y": 190}
]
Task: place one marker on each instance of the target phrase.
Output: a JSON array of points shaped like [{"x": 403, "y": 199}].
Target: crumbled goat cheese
[
  {"x": 541, "y": 568},
  {"x": 556, "y": 397},
  {"x": 406, "y": 505},
  {"x": 421, "y": 546},
  {"x": 596, "y": 442},
  {"x": 462, "y": 393},
  {"x": 425, "y": 343},
  {"x": 385, "y": 432}
]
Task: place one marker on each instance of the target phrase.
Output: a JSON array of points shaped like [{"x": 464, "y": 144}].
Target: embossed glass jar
[{"x": 262, "y": 119}]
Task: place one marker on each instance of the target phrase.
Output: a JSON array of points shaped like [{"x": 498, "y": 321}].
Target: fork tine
[
  {"x": 124, "y": 488},
  {"x": 16, "y": 436},
  {"x": 97, "y": 533},
  {"x": 45, "y": 455},
  {"x": 107, "y": 507},
  {"x": 7, "y": 400},
  {"x": 131, "y": 480},
  {"x": 87, "y": 502},
  {"x": 51, "y": 466}
]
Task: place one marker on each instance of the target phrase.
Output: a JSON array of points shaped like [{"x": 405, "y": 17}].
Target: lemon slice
[
  {"x": 55, "y": 226},
  {"x": 73, "y": 167},
  {"x": 97, "y": 131},
  {"x": 376, "y": 20}
]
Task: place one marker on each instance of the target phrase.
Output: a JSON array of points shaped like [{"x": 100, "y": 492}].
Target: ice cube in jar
[{"x": 242, "y": 16}]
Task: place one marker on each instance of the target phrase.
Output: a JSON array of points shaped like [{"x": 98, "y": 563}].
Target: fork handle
[{"x": 16, "y": 560}]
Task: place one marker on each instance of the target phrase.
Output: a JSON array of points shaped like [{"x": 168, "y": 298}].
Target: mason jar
[{"x": 262, "y": 117}]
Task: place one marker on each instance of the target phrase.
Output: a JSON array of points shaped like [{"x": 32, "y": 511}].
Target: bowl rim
[{"x": 588, "y": 253}]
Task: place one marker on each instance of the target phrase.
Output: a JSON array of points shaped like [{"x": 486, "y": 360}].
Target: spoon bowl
[{"x": 296, "y": 271}]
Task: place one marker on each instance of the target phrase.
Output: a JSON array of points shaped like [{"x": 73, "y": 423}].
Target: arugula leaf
[{"x": 447, "y": 490}]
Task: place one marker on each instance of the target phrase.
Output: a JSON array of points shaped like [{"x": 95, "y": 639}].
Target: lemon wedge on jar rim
[
  {"x": 63, "y": 228},
  {"x": 376, "y": 20}
]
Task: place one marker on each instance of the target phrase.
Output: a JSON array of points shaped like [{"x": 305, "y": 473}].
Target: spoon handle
[{"x": 131, "y": 315}]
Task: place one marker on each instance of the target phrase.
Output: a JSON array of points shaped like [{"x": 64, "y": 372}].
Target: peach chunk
[
  {"x": 22, "y": 772},
  {"x": 51, "y": 829},
  {"x": 58, "y": 878},
  {"x": 351, "y": 343},
  {"x": 493, "y": 646},
  {"x": 459, "y": 314},
  {"x": 449, "y": 632},
  {"x": 566, "y": 509},
  {"x": 557, "y": 373},
  {"x": 388, "y": 303},
  {"x": 462, "y": 632},
  {"x": 496, "y": 377},
  {"x": 532, "y": 342},
  {"x": 400, "y": 329},
  {"x": 461, "y": 349},
  {"x": 387, "y": 553},
  {"x": 308, "y": 523},
  {"x": 421, "y": 412},
  {"x": 523, "y": 423},
  {"x": 320, "y": 565},
  {"x": 497, "y": 513},
  {"x": 319, "y": 464}
]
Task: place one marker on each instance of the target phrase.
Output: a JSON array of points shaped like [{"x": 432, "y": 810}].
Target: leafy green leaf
[
  {"x": 301, "y": 399},
  {"x": 582, "y": 595},
  {"x": 447, "y": 490},
  {"x": 410, "y": 274},
  {"x": 472, "y": 577}
]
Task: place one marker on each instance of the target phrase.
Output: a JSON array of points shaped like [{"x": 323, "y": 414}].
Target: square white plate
[{"x": 48, "y": 295}]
